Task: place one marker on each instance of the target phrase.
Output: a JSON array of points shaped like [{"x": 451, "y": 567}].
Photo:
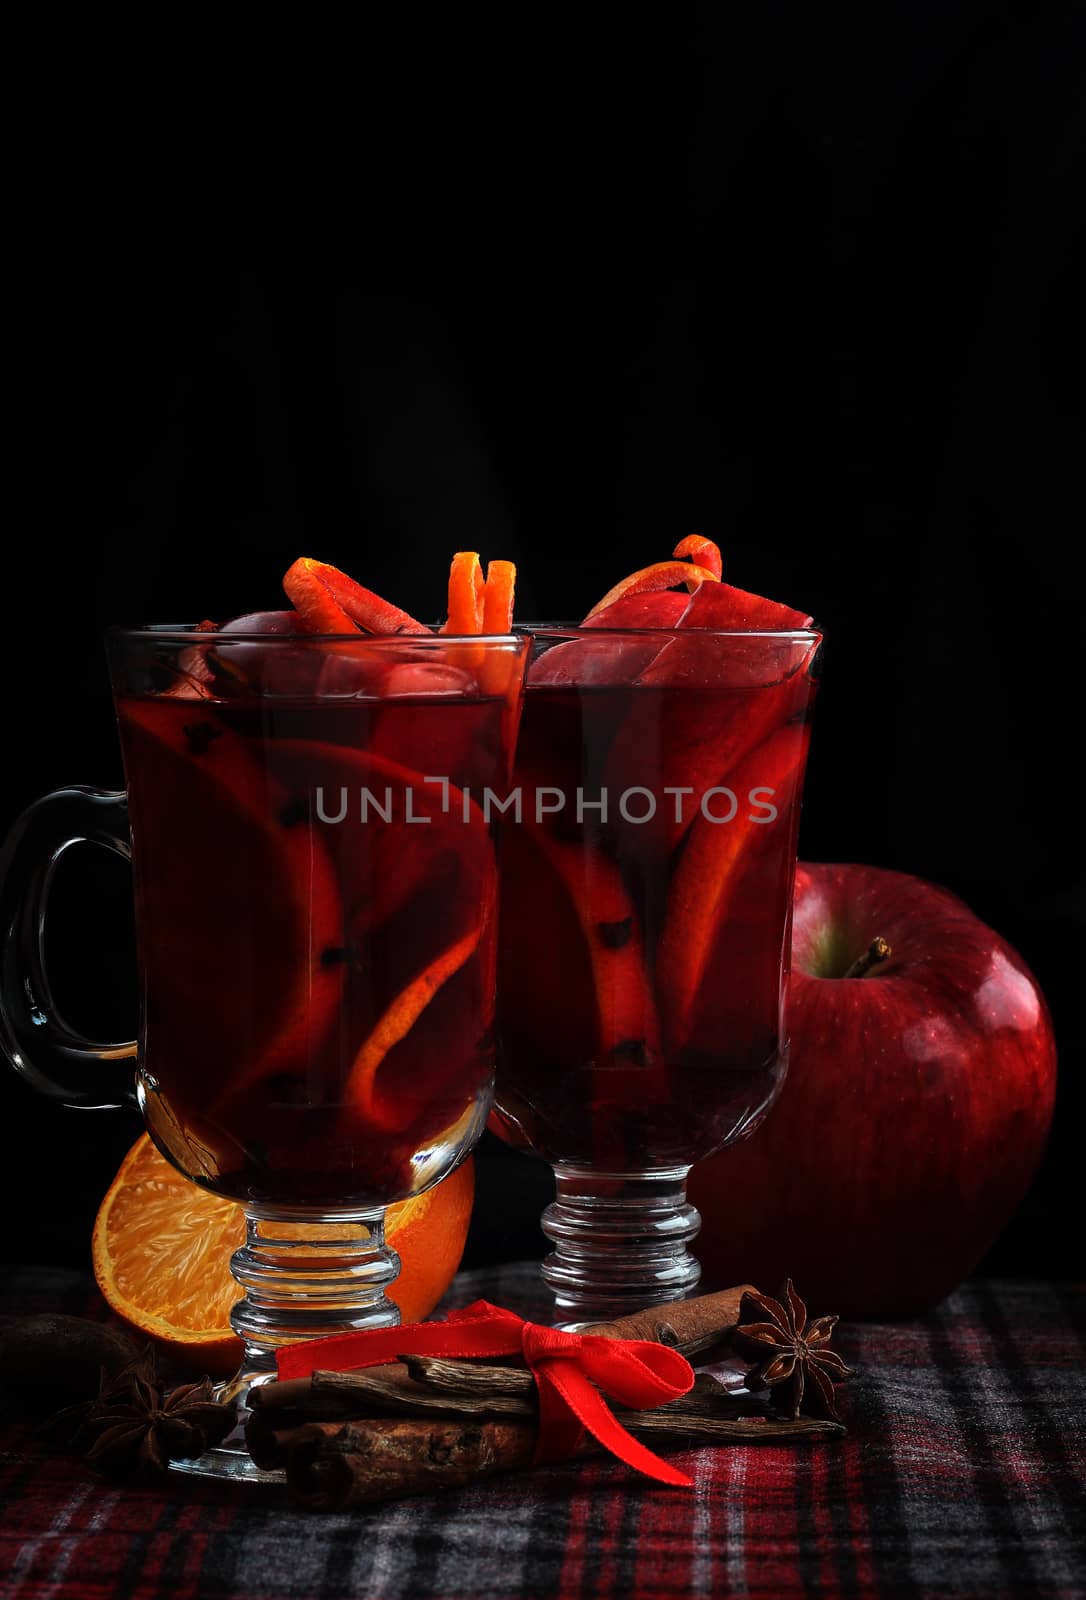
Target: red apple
[{"x": 915, "y": 1111}]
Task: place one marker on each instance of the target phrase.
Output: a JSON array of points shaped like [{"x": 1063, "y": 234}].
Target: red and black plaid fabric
[{"x": 962, "y": 1475}]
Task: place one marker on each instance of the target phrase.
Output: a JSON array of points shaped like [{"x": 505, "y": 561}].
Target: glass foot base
[
  {"x": 302, "y": 1280},
  {"x": 229, "y": 1463}
]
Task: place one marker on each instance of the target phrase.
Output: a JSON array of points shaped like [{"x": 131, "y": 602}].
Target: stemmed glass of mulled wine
[
  {"x": 646, "y": 918},
  {"x": 313, "y": 847}
]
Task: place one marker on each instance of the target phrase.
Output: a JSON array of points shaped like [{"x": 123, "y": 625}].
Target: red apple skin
[{"x": 914, "y": 1114}]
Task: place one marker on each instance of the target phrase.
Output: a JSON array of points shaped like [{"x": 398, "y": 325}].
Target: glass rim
[
  {"x": 189, "y": 633},
  {"x": 547, "y": 630}
]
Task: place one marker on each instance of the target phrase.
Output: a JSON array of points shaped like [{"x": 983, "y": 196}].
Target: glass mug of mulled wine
[
  {"x": 316, "y": 895},
  {"x": 646, "y": 892}
]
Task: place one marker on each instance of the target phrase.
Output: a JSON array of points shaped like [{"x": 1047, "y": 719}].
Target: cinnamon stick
[
  {"x": 270, "y": 1444},
  {"x": 425, "y": 1423},
  {"x": 688, "y": 1326},
  {"x": 271, "y": 1434},
  {"x": 304, "y": 1402},
  {"x": 279, "y": 1392},
  {"x": 368, "y": 1461}
]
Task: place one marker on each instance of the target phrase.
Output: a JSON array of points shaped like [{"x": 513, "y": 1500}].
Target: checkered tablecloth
[{"x": 962, "y": 1474}]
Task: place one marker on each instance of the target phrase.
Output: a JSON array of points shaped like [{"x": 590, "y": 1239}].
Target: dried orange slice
[{"x": 161, "y": 1249}]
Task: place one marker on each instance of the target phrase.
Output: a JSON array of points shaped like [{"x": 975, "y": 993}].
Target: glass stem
[
  {"x": 620, "y": 1242},
  {"x": 307, "y": 1281}
]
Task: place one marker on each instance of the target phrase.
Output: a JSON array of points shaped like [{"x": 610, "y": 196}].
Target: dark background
[{"x": 804, "y": 280}]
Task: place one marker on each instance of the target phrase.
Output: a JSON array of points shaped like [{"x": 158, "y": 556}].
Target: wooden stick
[
  {"x": 469, "y": 1377},
  {"x": 290, "y": 1394},
  {"x": 373, "y": 1390},
  {"x": 695, "y": 1429}
]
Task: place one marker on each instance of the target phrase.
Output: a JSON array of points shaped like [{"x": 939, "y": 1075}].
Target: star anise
[
  {"x": 792, "y": 1350},
  {"x": 134, "y": 1430}
]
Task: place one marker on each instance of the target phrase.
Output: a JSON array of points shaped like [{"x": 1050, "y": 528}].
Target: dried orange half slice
[{"x": 161, "y": 1249}]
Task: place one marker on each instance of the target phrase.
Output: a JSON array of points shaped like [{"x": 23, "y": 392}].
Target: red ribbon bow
[{"x": 570, "y": 1370}]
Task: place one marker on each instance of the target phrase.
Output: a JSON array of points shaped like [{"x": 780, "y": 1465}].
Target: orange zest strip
[
  {"x": 328, "y": 601},
  {"x": 703, "y": 552},
  {"x": 466, "y": 589},
  {"x": 664, "y": 575},
  {"x": 366, "y": 609},
  {"x": 501, "y": 583},
  {"x": 396, "y": 1023},
  {"x": 311, "y": 598}
]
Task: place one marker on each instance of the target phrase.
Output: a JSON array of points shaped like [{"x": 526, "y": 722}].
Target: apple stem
[{"x": 878, "y": 950}]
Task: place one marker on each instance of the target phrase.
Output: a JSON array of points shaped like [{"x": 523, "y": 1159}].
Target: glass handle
[{"x": 50, "y": 1055}]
